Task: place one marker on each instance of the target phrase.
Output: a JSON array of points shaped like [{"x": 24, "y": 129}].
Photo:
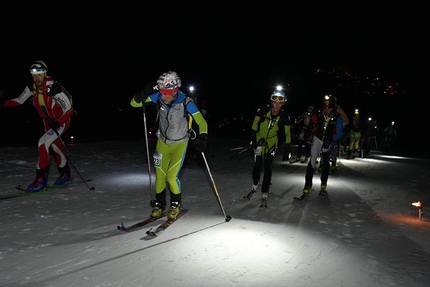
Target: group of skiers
[
  {"x": 176, "y": 111},
  {"x": 271, "y": 128},
  {"x": 319, "y": 131}
]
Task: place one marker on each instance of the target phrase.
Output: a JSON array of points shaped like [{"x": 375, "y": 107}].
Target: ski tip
[
  {"x": 122, "y": 227},
  {"x": 299, "y": 197}
]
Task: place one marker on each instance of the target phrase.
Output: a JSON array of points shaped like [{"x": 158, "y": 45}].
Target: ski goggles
[
  {"x": 277, "y": 98},
  {"x": 169, "y": 92}
]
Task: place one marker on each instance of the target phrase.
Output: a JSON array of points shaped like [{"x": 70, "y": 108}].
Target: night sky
[{"x": 234, "y": 64}]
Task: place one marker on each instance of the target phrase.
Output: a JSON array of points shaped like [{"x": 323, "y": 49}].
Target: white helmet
[
  {"x": 38, "y": 67},
  {"x": 169, "y": 83}
]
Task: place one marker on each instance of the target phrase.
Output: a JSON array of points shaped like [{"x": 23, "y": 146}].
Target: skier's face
[
  {"x": 169, "y": 98},
  {"x": 276, "y": 107},
  {"x": 327, "y": 110},
  {"x": 38, "y": 79}
]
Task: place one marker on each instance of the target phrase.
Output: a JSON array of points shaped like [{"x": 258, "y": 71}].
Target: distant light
[{"x": 191, "y": 88}]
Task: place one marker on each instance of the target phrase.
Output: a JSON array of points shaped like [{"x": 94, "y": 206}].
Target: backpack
[
  {"x": 186, "y": 115},
  {"x": 69, "y": 95}
]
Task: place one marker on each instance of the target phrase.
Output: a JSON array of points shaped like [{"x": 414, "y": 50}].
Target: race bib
[{"x": 157, "y": 159}]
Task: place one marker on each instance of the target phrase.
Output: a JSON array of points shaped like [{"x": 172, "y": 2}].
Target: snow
[{"x": 365, "y": 233}]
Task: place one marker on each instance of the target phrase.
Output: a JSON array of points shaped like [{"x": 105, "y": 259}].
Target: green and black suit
[{"x": 267, "y": 130}]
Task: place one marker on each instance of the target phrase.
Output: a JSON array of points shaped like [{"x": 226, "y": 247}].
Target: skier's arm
[
  {"x": 25, "y": 95},
  {"x": 198, "y": 117},
  {"x": 62, "y": 100},
  {"x": 339, "y": 129},
  {"x": 142, "y": 96},
  {"x": 287, "y": 134}
]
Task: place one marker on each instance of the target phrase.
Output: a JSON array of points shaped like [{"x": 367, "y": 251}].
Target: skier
[
  {"x": 338, "y": 143},
  {"x": 389, "y": 135},
  {"x": 324, "y": 130},
  {"x": 271, "y": 123},
  {"x": 370, "y": 130},
  {"x": 355, "y": 135},
  {"x": 54, "y": 106},
  {"x": 174, "y": 108},
  {"x": 301, "y": 126}
]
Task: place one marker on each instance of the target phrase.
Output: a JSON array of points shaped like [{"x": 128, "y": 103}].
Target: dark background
[{"x": 375, "y": 63}]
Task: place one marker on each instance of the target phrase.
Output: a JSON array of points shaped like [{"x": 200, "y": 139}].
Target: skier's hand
[
  {"x": 200, "y": 144},
  {"x": 257, "y": 151},
  {"x": 286, "y": 154},
  {"x": 143, "y": 94},
  {"x": 326, "y": 144},
  {"x": 262, "y": 142},
  {"x": 53, "y": 124}
]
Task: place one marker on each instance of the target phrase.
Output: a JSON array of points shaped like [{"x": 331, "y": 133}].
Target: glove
[
  {"x": 143, "y": 94},
  {"x": 53, "y": 124},
  {"x": 200, "y": 144},
  {"x": 139, "y": 97},
  {"x": 285, "y": 157}
]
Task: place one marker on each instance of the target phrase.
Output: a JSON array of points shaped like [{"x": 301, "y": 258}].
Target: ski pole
[
  {"x": 239, "y": 148},
  {"x": 152, "y": 201},
  {"x": 245, "y": 149},
  {"x": 72, "y": 162},
  {"x": 227, "y": 217}
]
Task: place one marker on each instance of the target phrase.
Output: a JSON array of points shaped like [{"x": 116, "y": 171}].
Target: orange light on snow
[{"x": 420, "y": 206}]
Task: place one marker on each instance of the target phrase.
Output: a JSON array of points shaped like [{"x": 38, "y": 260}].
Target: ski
[
  {"x": 162, "y": 227},
  {"x": 263, "y": 206},
  {"x": 142, "y": 223},
  {"x": 249, "y": 195},
  {"x": 24, "y": 192},
  {"x": 323, "y": 192},
  {"x": 301, "y": 197}
]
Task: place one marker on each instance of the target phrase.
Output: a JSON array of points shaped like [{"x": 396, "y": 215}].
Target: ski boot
[
  {"x": 175, "y": 208},
  {"x": 63, "y": 179},
  {"x": 306, "y": 191},
  {"x": 252, "y": 192},
  {"x": 323, "y": 191},
  {"x": 263, "y": 204},
  {"x": 158, "y": 210},
  {"x": 38, "y": 184}
]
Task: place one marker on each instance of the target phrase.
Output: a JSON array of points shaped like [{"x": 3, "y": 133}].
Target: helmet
[
  {"x": 169, "y": 83},
  {"x": 330, "y": 101},
  {"x": 278, "y": 96},
  {"x": 38, "y": 67}
]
